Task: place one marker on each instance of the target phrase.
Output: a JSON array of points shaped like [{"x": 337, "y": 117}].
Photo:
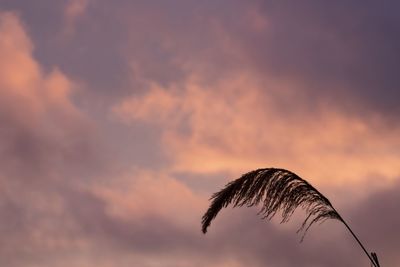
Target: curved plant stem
[
  {"x": 374, "y": 263},
  {"x": 277, "y": 190}
]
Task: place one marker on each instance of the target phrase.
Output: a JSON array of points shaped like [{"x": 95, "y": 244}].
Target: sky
[{"x": 119, "y": 119}]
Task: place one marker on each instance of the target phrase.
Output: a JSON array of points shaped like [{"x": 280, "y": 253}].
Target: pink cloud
[
  {"x": 142, "y": 193},
  {"x": 239, "y": 123},
  {"x": 22, "y": 80},
  {"x": 218, "y": 115},
  {"x": 44, "y": 139}
]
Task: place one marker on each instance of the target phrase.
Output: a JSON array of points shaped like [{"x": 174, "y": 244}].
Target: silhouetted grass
[{"x": 277, "y": 190}]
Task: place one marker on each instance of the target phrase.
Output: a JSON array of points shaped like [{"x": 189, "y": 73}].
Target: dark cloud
[
  {"x": 343, "y": 51},
  {"x": 35, "y": 150},
  {"x": 110, "y": 40},
  {"x": 340, "y": 50},
  {"x": 374, "y": 220},
  {"x": 243, "y": 236},
  {"x": 377, "y": 222},
  {"x": 47, "y": 146},
  {"x": 237, "y": 235}
]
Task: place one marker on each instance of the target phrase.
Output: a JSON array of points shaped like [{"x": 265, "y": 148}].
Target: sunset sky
[{"x": 119, "y": 119}]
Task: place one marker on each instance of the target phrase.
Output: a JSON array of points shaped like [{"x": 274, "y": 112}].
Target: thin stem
[{"x": 358, "y": 240}]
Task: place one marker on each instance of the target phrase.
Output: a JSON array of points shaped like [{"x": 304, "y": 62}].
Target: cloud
[
  {"x": 205, "y": 92},
  {"x": 257, "y": 92},
  {"x": 54, "y": 202},
  {"x": 45, "y": 142},
  {"x": 340, "y": 52},
  {"x": 234, "y": 125},
  {"x": 240, "y": 237},
  {"x": 73, "y": 11},
  {"x": 236, "y": 237},
  {"x": 36, "y": 107},
  {"x": 141, "y": 193}
]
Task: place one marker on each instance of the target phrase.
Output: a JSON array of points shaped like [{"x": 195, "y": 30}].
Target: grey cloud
[
  {"x": 31, "y": 151},
  {"x": 374, "y": 219},
  {"x": 356, "y": 51},
  {"x": 339, "y": 50},
  {"x": 377, "y": 220},
  {"x": 237, "y": 234}
]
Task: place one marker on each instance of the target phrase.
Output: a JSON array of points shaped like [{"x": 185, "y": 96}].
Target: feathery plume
[{"x": 277, "y": 190}]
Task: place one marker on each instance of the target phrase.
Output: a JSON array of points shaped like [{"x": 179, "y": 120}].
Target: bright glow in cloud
[
  {"x": 23, "y": 81},
  {"x": 141, "y": 194},
  {"x": 41, "y": 129},
  {"x": 235, "y": 125},
  {"x": 199, "y": 92}
]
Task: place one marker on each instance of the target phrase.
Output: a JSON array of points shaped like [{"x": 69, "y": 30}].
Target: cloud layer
[{"x": 117, "y": 122}]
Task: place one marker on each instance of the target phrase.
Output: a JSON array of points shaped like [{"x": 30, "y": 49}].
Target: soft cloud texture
[
  {"x": 236, "y": 125},
  {"x": 118, "y": 121},
  {"x": 37, "y": 111},
  {"x": 44, "y": 143}
]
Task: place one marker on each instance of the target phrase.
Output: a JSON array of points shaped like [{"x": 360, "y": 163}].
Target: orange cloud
[
  {"x": 144, "y": 193},
  {"x": 238, "y": 124},
  {"x": 23, "y": 81},
  {"x": 41, "y": 131}
]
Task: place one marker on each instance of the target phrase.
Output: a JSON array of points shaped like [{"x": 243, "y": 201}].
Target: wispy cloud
[
  {"x": 114, "y": 136},
  {"x": 44, "y": 139},
  {"x": 239, "y": 123},
  {"x": 74, "y": 9}
]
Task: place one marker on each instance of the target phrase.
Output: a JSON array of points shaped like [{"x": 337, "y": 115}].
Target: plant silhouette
[{"x": 278, "y": 190}]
